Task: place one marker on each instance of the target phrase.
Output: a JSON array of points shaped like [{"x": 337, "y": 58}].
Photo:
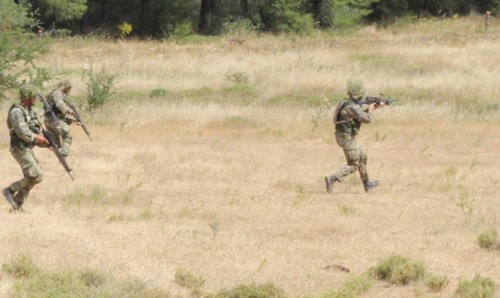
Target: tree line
[{"x": 167, "y": 18}]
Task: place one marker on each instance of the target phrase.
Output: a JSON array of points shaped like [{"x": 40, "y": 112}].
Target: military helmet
[
  {"x": 27, "y": 91},
  {"x": 64, "y": 84},
  {"x": 355, "y": 88}
]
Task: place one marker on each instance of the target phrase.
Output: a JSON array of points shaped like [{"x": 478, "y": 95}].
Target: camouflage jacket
[
  {"x": 348, "y": 117},
  {"x": 22, "y": 122}
]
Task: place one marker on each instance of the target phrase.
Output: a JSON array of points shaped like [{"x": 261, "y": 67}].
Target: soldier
[
  {"x": 347, "y": 119},
  {"x": 25, "y": 133},
  {"x": 64, "y": 116}
]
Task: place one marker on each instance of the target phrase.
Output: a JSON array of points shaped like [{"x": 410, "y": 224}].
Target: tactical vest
[
  {"x": 343, "y": 121},
  {"x": 53, "y": 107},
  {"x": 33, "y": 125}
]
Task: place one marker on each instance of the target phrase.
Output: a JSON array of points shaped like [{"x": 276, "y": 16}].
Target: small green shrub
[
  {"x": 99, "y": 87},
  {"x": 399, "y": 270},
  {"x": 354, "y": 286},
  {"x": 21, "y": 266},
  {"x": 158, "y": 93},
  {"x": 190, "y": 281},
  {"x": 488, "y": 239},
  {"x": 436, "y": 283},
  {"x": 252, "y": 290},
  {"x": 96, "y": 194},
  {"x": 478, "y": 287},
  {"x": 31, "y": 281},
  {"x": 125, "y": 29}
]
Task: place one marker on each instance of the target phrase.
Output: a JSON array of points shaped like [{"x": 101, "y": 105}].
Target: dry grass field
[{"x": 223, "y": 175}]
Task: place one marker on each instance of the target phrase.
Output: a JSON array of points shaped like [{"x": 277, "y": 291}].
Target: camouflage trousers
[
  {"x": 355, "y": 156},
  {"x": 31, "y": 170},
  {"x": 61, "y": 132}
]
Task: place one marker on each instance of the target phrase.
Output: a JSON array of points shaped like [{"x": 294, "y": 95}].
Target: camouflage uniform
[
  {"x": 59, "y": 127},
  {"x": 347, "y": 119},
  {"x": 23, "y": 124}
]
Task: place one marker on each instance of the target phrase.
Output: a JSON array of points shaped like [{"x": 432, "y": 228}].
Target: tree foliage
[
  {"x": 19, "y": 47},
  {"x": 165, "y": 19}
]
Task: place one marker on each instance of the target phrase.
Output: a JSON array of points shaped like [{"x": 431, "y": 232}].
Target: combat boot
[
  {"x": 9, "y": 196},
  {"x": 370, "y": 185},
  {"x": 329, "y": 180}
]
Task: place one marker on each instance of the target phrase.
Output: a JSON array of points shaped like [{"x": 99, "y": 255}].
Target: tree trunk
[
  {"x": 102, "y": 14},
  {"x": 209, "y": 22},
  {"x": 144, "y": 17},
  {"x": 244, "y": 8},
  {"x": 322, "y": 13}
]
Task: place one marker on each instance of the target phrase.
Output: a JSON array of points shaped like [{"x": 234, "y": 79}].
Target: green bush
[
  {"x": 399, "y": 270},
  {"x": 190, "y": 281},
  {"x": 488, "y": 239},
  {"x": 284, "y": 16},
  {"x": 99, "y": 87},
  {"x": 21, "y": 266},
  {"x": 436, "y": 283},
  {"x": 354, "y": 286},
  {"x": 478, "y": 287},
  {"x": 159, "y": 93},
  {"x": 252, "y": 290},
  {"x": 31, "y": 281}
]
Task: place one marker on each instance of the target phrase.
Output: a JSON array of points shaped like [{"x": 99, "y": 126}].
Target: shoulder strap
[{"x": 344, "y": 103}]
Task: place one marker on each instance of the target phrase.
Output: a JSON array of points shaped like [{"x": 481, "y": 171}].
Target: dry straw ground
[{"x": 228, "y": 184}]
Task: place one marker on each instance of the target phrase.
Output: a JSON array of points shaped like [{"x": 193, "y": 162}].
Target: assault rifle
[
  {"x": 78, "y": 118},
  {"x": 50, "y": 138},
  {"x": 376, "y": 100}
]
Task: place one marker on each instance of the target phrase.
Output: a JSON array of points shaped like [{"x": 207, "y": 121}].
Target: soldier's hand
[{"x": 41, "y": 140}]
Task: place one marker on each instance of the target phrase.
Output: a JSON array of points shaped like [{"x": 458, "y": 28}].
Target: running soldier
[
  {"x": 25, "y": 133},
  {"x": 59, "y": 127}
]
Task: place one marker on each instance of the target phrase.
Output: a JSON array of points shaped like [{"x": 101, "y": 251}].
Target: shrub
[
  {"x": 31, "y": 281},
  {"x": 488, "y": 239},
  {"x": 252, "y": 290},
  {"x": 436, "y": 283},
  {"x": 99, "y": 87},
  {"x": 190, "y": 281},
  {"x": 159, "y": 93},
  {"x": 399, "y": 270},
  {"x": 21, "y": 266},
  {"x": 125, "y": 29},
  {"x": 478, "y": 287}
]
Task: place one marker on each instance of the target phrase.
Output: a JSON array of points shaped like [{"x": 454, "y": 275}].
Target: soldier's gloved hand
[{"x": 41, "y": 140}]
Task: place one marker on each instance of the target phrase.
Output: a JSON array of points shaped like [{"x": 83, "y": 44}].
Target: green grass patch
[
  {"x": 21, "y": 267},
  {"x": 375, "y": 60},
  {"x": 236, "y": 122},
  {"x": 354, "y": 286},
  {"x": 190, "y": 281},
  {"x": 488, "y": 240},
  {"x": 436, "y": 283},
  {"x": 31, "y": 281},
  {"x": 252, "y": 290},
  {"x": 477, "y": 287},
  {"x": 399, "y": 270}
]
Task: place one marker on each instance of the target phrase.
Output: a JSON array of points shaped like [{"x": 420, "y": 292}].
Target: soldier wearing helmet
[
  {"x": 347, "y": 118},
  {"x": 59, "y": 126},
  {"x": 25, "y": 133}
]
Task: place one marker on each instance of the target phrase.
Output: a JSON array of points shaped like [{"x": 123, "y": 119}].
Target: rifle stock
[{"x": 52, "y": 142}]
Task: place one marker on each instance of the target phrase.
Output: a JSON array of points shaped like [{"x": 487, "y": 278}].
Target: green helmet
[
  {"x": 355, "y": 88},
  {"x": 27, "y": 91},
  {"x": 64, "y": 84}
]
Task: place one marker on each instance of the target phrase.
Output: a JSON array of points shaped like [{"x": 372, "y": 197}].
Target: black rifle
[
  {"x": 78, "y": 118},
  {"x": 376, "y": 100},
  {"x": 50, "y": 138}
]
